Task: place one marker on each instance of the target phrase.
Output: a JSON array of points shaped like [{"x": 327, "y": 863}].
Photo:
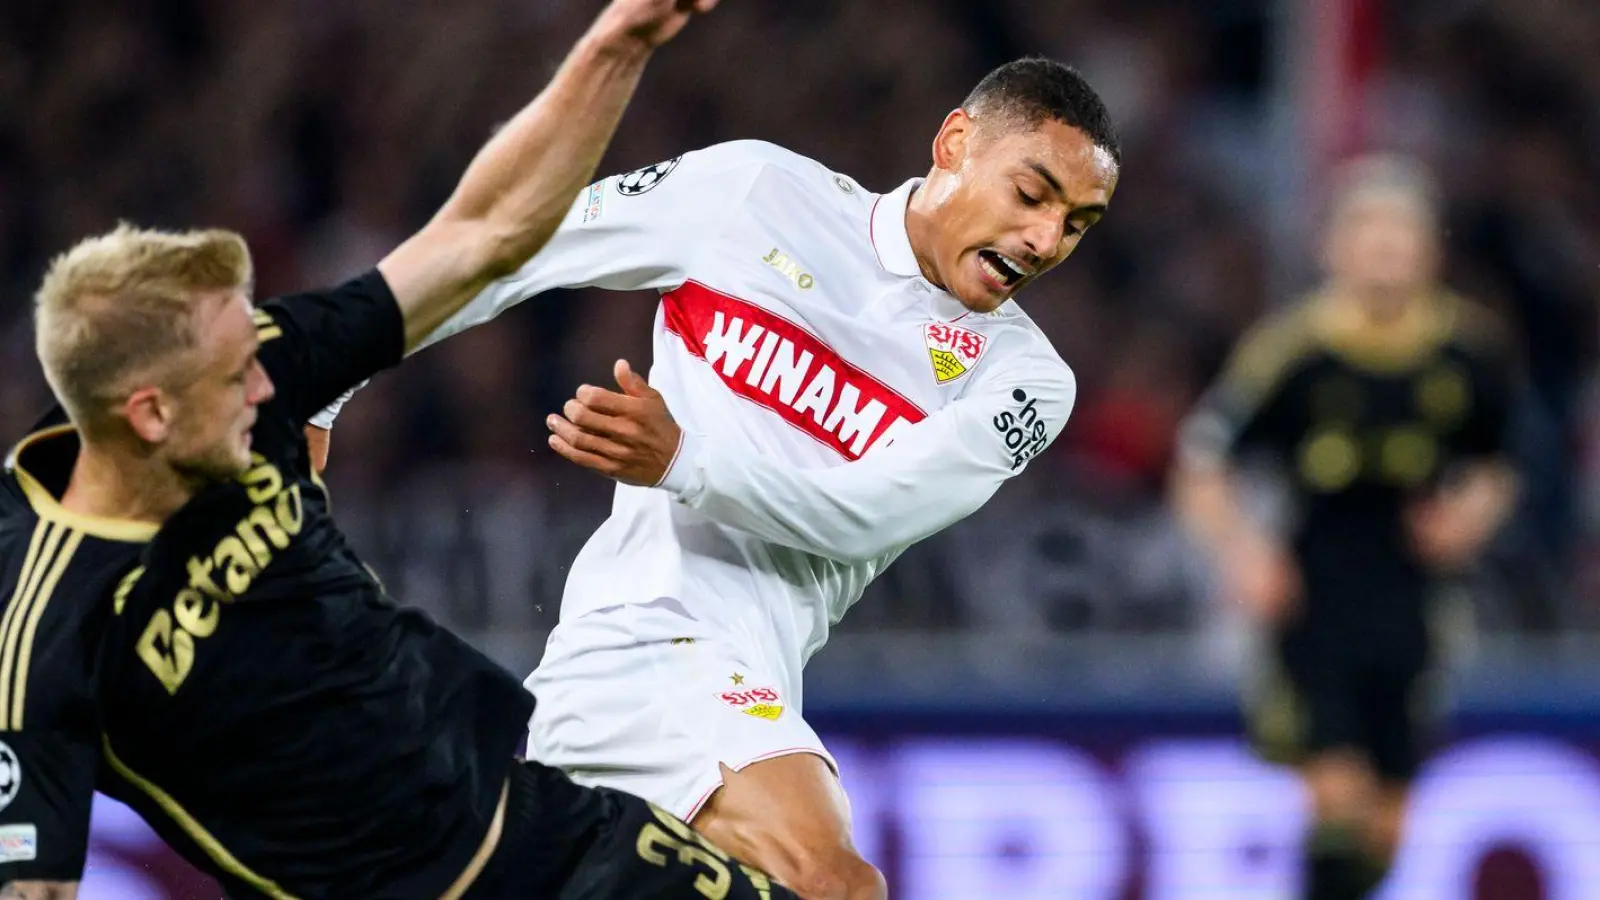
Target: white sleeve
[
  {"x": 634, "y": 231},
  {"x": 932, "y": 474}
]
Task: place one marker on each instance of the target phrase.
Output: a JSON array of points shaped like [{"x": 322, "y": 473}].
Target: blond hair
[
  {"x": 121, "y": 306},
  {"x": 1391, "y": 176}
]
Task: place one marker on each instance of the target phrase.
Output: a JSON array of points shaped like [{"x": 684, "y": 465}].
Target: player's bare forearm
[
  {"x": 1206, "y": 500},
  {"x": 1256, "y": 569},
  {"x": 1488, "y": 495},
  {"x": 317, "y": 440},
  {"x": 39, "y": 890},
  {"x": 1451, "y": 528},
  {"x": 516, "y": 191}
]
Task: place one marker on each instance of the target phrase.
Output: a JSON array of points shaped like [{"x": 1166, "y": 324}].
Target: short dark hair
[{"x": 1035, "y": 88}]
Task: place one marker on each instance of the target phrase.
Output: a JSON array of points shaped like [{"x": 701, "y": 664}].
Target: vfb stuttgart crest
[
  {"x": 953, "y": 351},
  {"x": 761, "y": 702},
  {"x": 634, "y": 183}
]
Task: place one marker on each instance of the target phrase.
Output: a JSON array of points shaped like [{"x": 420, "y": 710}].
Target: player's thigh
[
  {"x": 1302, "y": 703},
  {"x": 790, "y": 816},
  {"x": 1403, "y": 708},
  {"x": 642, "y": 851}
]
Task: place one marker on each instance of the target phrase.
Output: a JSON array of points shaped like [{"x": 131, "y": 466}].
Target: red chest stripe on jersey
[{"x": 777, "y": 363}]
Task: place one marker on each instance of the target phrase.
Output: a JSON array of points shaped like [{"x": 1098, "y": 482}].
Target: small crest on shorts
[
  {"x": 760, "y": 702},
  {"x": 953, "y": 351}
]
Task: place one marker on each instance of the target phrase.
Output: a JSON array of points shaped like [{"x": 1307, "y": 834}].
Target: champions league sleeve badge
[{"x": 640, "y": 181}]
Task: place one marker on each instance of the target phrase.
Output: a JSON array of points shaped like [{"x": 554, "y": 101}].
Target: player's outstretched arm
[
  {"x": 930, "y": 476},
  {"x": 39, "y": 890},
  {"x": 516, "y": 191},
  {"x": 1256, "y": 569}
]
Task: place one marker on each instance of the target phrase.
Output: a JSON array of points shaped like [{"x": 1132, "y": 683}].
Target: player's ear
[
  {"x": 149, "y": 414},
  {"x": 950, "y": 144}
]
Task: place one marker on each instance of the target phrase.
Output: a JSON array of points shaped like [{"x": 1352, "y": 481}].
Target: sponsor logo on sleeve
[
  {"x": 19, "y": 843},
  {"x": 1022, "y": 429},
  {"x": 640, "y": 181},
  {"x": 594, "y": 202},
  {"x": 953, "y": 351}
]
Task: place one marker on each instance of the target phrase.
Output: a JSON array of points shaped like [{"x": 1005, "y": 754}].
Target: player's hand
[
  {"x": 1443, "y": 537},
  {"x": 1259, "y": 574},
  {"x": 628, "y": 436},
  {"x": 651, "y": 22}
]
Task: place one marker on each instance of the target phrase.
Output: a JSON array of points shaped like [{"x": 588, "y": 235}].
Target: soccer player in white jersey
[{"x": 846, "y": 374}]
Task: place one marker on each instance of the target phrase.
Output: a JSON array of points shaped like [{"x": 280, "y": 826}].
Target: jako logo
[
  {"x": 1023, "y": 430},
  {"x": 789, "y": 268}
]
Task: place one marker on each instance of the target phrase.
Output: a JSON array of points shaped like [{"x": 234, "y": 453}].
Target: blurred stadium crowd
[{"x": 326, "y": 130}]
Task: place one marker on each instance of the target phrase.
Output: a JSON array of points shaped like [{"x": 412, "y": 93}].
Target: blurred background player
[{"x": 1385, "y": 400}]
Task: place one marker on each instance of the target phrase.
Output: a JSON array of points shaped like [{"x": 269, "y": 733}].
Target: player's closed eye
[{"x": 1027, "y": 198}]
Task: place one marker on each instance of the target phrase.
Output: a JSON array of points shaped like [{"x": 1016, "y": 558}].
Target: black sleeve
[
  {"x": 1248, "y": 409},
  {"x": 49, "y": 732},
  {"x": 47, "y": 785},
  {"x": 319, "y": 344}
]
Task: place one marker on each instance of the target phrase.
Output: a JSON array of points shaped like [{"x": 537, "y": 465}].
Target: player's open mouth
[{"x": 1004, "y": 270}]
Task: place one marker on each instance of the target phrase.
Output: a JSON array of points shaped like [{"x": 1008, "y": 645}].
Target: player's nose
[
  {"x": 1043, "y": 236},
  {"x": 261, "y": 387}
]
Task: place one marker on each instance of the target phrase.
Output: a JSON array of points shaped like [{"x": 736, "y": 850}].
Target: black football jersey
[
  {"x": 1361, "y": 422},
  {"x": 254, "y": 694},
  {"x": 59, "y": 576}
]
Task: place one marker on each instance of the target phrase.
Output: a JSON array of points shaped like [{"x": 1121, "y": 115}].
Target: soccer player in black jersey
[
  {"x": 1385, "y": 400},
  {"x": 184, "y": 627}
]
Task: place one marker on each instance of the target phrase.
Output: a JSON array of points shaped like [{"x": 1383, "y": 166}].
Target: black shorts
[
  {"x": 562, "y": 841},
  {"x": 1368, "y": 690}
]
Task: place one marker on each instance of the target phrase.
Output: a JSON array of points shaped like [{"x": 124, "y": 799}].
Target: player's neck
[
  {"x": 1379, "y": 307},
  {"x": 113, "y": 485},
  {"x": 920, "y": 229}
]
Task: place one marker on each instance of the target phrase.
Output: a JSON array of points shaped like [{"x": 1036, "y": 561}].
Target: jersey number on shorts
[{"x": 656, "y": 841}]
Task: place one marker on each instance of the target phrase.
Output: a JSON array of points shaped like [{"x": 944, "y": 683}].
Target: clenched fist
[{"x": 652, "y": 22}]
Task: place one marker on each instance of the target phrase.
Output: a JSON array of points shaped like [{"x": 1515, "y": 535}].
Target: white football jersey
[{"x": 836, "y": 406}]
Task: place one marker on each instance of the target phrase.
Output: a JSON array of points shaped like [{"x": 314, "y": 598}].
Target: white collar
[
  {"x": 889, "y": 238},
  {"x": 893, "y": 247}
]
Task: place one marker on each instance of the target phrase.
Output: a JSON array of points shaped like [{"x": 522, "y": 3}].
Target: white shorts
[{"x": 622, "y": 705}]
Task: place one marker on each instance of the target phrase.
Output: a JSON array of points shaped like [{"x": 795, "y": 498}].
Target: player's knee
[
  {"x": 1386, "y": 823},
  {"x": 841, "y": 876},
  {"x": 1342, "y": 786}
]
